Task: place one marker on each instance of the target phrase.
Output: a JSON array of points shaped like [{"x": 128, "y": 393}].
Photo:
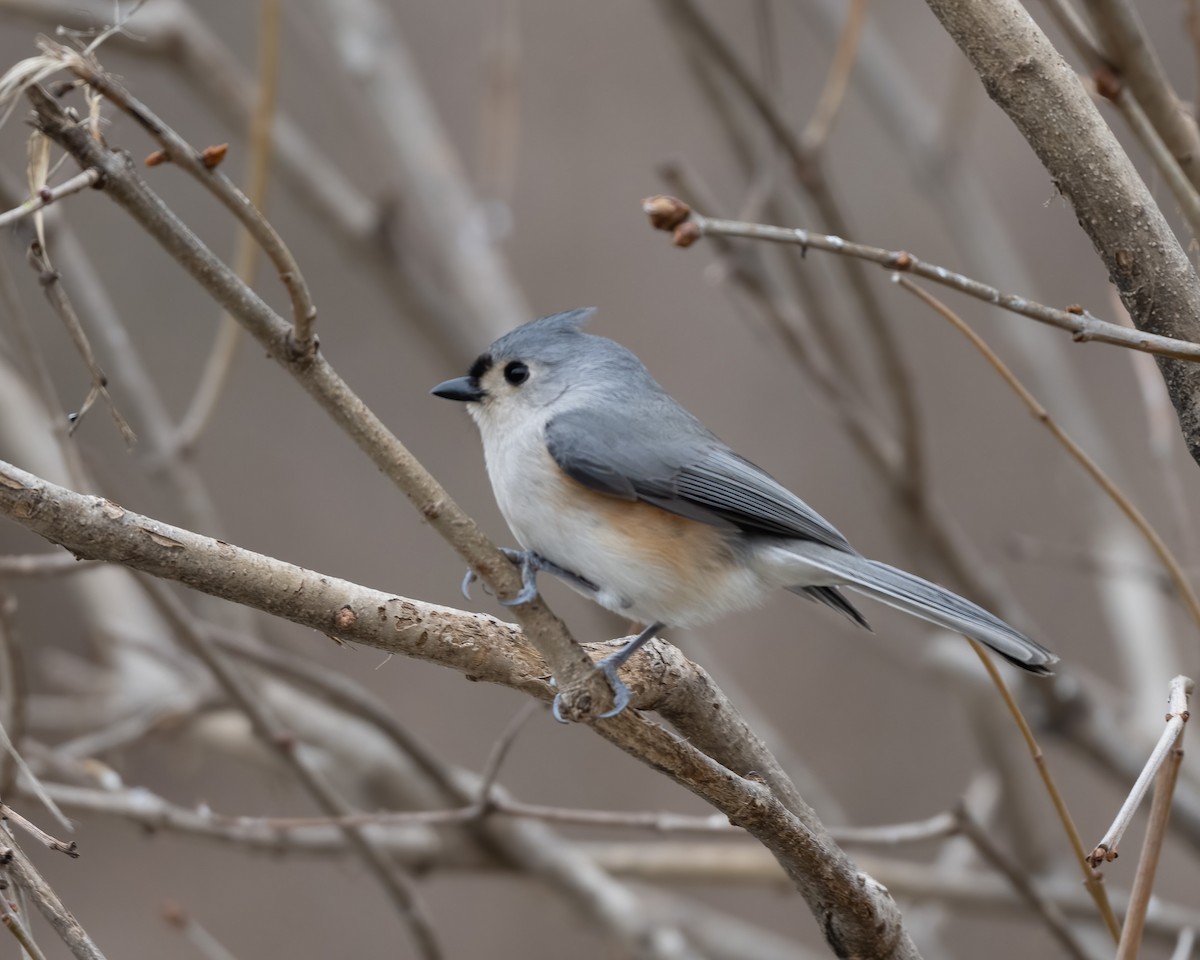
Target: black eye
[{"x": 516, "y": 372}]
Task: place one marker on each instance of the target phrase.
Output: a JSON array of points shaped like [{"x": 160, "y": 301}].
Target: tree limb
[{"x": 1042, "y": 95}]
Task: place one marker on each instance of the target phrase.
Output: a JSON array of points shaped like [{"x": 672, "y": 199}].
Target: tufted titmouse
[{"x": 611, "y": 485}]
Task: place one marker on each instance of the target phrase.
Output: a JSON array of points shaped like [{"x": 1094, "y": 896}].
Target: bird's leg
[
  {"x": 609, "y": 667},
  {"x": 529, "y": 563}
]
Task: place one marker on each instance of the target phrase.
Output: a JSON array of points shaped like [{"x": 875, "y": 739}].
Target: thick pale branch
[{"x": 854, "y": 911}]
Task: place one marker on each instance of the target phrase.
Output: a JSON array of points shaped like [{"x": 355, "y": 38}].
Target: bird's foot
[
  {"x": 609, "y": 667},
  {"x": 620, "y": 692},
  {"x": 529, "y": 563}
]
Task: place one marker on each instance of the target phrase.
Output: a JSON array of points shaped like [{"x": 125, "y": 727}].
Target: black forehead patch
[{"x": 482, "y": 364}]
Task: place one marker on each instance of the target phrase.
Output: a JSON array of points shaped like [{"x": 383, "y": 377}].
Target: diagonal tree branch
[
  {"x": 856, "y": 914},
  {"x": 1044, "y": 98}
]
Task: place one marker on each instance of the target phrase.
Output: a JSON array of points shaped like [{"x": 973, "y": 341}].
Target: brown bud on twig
[
  {"x": 157, "y": 158},
  {"x": 666, "y": 213},
  {"x": 686, "y": 234},
  {"x": 212, "y": 156}
]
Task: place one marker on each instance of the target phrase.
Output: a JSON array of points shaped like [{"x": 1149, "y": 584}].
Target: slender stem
[
  {"x": 1168, "y": 741},
  {"x": 1076, "y": 320},
  {"x": 820, "y": 124},
  {"x": 994, "y": 854},
  {"x": 275, "y": 736},
  {"x": 50, "y": 906},
  {"x": 1156, "y": 831},
  {"x": 1091, "y": 879},
  {"x": 48, "y": 195},
  {"x": 219, "y": 365},
  {"x": 1126, "y": 506}
]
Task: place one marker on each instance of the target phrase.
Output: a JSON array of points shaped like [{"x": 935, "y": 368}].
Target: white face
[{"x": 515, "y": 398}]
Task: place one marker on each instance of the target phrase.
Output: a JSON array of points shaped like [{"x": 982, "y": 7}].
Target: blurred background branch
[{"x": 859, "y": 119}]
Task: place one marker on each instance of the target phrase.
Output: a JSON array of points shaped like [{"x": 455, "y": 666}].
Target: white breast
[{"x": 535, "y": 498}]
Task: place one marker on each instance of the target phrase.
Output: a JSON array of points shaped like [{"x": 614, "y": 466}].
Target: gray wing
[{"x": 684, "y": 469}]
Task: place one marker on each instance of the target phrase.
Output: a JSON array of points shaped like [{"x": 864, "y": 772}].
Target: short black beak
[{"x": 460, "y": 388}]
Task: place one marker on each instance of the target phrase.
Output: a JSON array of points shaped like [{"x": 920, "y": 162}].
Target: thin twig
[
  {"x": 1127, "y": 44},
  {"x": 992, "y": 852},
  {"x": 71, "y": 848},
  {"x": 18, "y": 929},
  {"x": 1112, "y": 87},
  {"x": 195, "y": 933},
  {"x": 820, "y": 124},
  {"x": 1091, "y": 879},
  {"x": 1177, "y": 717},
  {"x": 37, "y": 375},
  {"x": 51, "y": 907},
  {"x": 1077, "y": 321},
  {"x": 1156, "y": 831},
  {"x": 35, "y": 785},
  {"x": 400, "y": 889},
  {"x": 508, "y": 736},
  {"x": 48, "y": 195},
  {"x": 808, "y": 169},
  {"x": 1182, "y": 584},
  {"x": 219, "y": 364},
  {"x": 56, "y": 295},
  {"x": 193, "y": 161}
]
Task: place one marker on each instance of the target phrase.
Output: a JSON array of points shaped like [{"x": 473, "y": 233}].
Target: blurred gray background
[{"x": 602, "y": 100}]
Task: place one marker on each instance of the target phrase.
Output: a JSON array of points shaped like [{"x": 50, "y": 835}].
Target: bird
[{"x": 608, "y": 483}]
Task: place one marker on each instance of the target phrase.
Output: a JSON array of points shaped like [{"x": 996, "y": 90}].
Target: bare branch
[
  {"x": 1156, "y": 832},
  {"x": 19, "y": 930},
  {"x": 219, "y": 364},
  {"x": 195, "y": 933},
  {"x": 994, "y": 854},
  {"x": 51, "y": 907},
  {"x": 487, "y": 649},
  {"x": 1166, "y": 557},
  {"x": 1128, "y": 46},
  {"x": 688, "y": 226},
  {"x": 206, "y": 172},
  {"x": 401, "y": 890},
  {"x": 48, "y": 195},
  {"x": 57, "y": 297},
  {"x": 1177, "y": 716},
  {"x": 51, "y": 843},
  {"x": 1049, "y": 106}
]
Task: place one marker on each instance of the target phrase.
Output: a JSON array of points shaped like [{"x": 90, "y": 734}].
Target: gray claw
[
  {"x": 621, "y": 694},
  {"x": 527, "y": 560},
  {"x": 469, "y": 579}
]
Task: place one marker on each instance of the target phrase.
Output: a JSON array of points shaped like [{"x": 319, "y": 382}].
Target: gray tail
[{"x": 935, "y": 604}]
